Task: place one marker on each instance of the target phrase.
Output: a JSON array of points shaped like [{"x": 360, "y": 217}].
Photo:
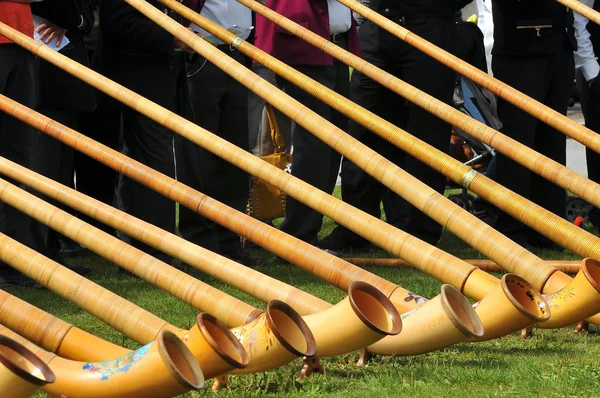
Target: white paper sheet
[{"x": 37, "y": 21}]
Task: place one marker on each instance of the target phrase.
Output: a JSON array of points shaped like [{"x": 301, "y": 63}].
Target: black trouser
[
  {"x": 151, "y": 144},
  {"x": 405, "y": 62},
  {"x": 590, "y": 105},
  {"x": 221, "y": 106},
  {"x": 314, "y": 161},
  {"x": 55, "y": 161},
  {"x": 548, "y": 79},
  {"x": 17, "y": 139},
  {"x": 94, "y": 178}
]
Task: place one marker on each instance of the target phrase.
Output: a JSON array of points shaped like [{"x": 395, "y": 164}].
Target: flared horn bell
[
  {"x": 22, "y": 372},
  {"x": 573, "y": 300},
  {"x": 513, "y": 299},
  {"x": 214, "y": 346},
  {"x": 163, "y": 368},
  {"x": 445, "y": 320},
  {"x": 365, "y": 316},
  {"x": 275, "y": 338}
]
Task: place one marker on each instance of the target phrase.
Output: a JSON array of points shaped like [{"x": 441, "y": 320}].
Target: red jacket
[
  {"x": 17, "y": 16},
  {"x": 311, "y": 14}
]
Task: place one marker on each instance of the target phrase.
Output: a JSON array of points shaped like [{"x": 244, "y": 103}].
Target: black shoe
[
  {"x": 18, "y": 280},
  {"x": 69, "y": 248},
  {"x": 341, "y": 239},
  {"x": 243, "y": 257},
  {"x": 83, "y": 271}
]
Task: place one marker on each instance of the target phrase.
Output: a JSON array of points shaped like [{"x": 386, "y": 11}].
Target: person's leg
[
  {"x": 529, "y": 75},
  {"x": 230, "y": 184},
  {"x": 195, "y": 165},
  {"x": 359, "y": 189},
  {"x": 311, "y": 157},
  {"x": 151, "y": 144},
  {"x": 94, "y": 178},
  {"x": 436, "y": 80},
  {"x": 552, "y": 143},
  {"x": 17, "y": 143}
]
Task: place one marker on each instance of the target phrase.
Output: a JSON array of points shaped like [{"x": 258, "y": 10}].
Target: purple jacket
[{"x": 311, "y": 14}]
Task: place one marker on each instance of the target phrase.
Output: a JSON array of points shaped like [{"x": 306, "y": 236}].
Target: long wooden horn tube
[
  {"x": 360, "y": 321},
  {"x": 54, "y": 334},
  {"x": 131, "y": 226},
  {"x": 117, "y": 312},
  {"x": 319, "y": 263},
  {"x": 163, "y": 368},
  {"x": 200, "y": 295},
  {"x": 523, "y": 263},
  {"x": 535, "y": 108},
  {"x": 22, "y": 372},
  {"x": 569, "y": 267},
  {"x": 384, "y": 171}
]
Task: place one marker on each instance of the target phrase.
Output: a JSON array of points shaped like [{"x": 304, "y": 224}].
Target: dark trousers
[
  {"x": 221, "y": 106},
  {"x": 151, "y": 144},
  {"x": 590, "y": 105},
  {"x": 17, "y": 139},
  {"x": 55, "y": 161},
  {"x": 548, "y": 79},
  {"x": 94, "y": 178},
  {"x": 314, "y": 161},
  {"x": 405, "y": 62}
]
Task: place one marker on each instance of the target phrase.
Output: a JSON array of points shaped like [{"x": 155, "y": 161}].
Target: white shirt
[
  {"x": 340, "y": 17},
  {"x": 227, "y": 13},
  {"x": 585, "y": 59}
]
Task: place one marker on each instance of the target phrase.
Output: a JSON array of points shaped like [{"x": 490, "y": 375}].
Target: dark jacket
[
  {"x": 419, "y": 8},
  {"x": 313, "y": 15},
  {"x": 531, "y": 27},
  {"x": 58, "y": 89},
  {"x": 139, "y": 54}
]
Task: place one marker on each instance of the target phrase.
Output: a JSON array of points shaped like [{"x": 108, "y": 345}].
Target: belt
[
  {"x": 404, "y": 20},
  {"x": 338, "y": 37}
]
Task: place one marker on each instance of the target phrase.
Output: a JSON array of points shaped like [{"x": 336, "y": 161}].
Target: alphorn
[
  {"x": 377, "y": 166},
  {"x": 325, "y": 266},
  {"x": 582, "y": 9},
  {"x": 427, "y": 256},
  {"x": 364, "y": 317},
  {"x": 566, "y": 266},
  {"x": 535, "y": 108},
  {"x": 527, "y": 265},
  {"x": 133, "y": 227},
  {"x": 463, "y": 224},
  {"x": 163, "y": 368},
  {"x": 281, "y": 334},
  {"x": 22, "y": 372}
]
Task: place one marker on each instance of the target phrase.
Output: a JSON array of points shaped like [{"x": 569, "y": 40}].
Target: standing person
[
  {"x": 65, "y": 19},
  {"x": 586, "y": 62},
  {"x": 432, "y": 20},
  {"x": 533, "y": 52},
  {"x": 138, "y": 53},
  {"x": 17, "y": 139},
  {"x": 221, "y": 107},
  {"x": 313, "y": 161}
]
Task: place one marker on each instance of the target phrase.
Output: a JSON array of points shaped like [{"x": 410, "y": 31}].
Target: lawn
[{"x": 552, "y": 363}]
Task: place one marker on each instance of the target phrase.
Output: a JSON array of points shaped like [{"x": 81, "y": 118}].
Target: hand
[{"x": 49, "y": 32}]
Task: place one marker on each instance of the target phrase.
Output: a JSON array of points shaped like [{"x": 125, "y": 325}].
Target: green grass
[{"x": 552, "y": 363}]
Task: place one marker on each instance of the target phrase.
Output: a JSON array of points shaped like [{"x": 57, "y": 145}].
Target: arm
[{"x": 585, "y": 59}]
